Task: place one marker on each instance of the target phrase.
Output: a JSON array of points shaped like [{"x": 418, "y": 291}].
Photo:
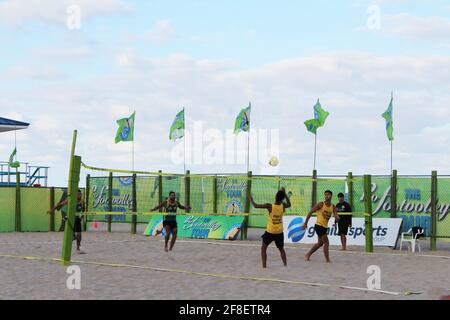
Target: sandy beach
[{"x": 121, "y": 266}]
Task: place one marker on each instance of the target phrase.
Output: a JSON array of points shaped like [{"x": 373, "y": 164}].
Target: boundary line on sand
[
  {"x": 211, "y": 275},
  {"x": 224, "y": 243},
  {"x": 305, "y": 249}
]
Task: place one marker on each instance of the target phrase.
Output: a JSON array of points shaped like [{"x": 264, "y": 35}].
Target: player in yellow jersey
[
  {"x": 324, "y": 211},
  {"x": 274, "y": 231}
]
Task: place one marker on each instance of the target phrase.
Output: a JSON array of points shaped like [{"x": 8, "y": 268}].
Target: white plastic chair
[{"x": 412, "y": 239}]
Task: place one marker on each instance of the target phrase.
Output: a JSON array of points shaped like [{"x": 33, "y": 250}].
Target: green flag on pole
[
  {"x": 320, "y": 114},
  {"x": 320, "y": 117},
  {"x": 178, "y": 127},
  {"x": 312, "y": 125},
  {"x": 125, "y": 132},
  {"x": 388, "y": 116},
  {"x": 12, "y": 163},
  {"x": 242, "y": 123}
]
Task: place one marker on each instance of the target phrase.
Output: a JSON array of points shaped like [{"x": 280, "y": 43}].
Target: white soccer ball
[{"x": 274, "y": 162}]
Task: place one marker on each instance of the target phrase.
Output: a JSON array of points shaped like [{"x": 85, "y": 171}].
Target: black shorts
[
  {"x": 77, "y": 226},
  {"x": 268, "y": 238},
  {"x": 344, "y": 223},
  {"x": 172, "y": 224},
  {"x": 321, "y": 231}
]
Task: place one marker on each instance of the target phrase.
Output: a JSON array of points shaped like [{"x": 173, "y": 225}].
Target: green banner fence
[{"x": 25, "y": 209}]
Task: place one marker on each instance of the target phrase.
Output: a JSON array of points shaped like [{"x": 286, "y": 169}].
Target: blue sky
[{"x": 214, "y": 56}]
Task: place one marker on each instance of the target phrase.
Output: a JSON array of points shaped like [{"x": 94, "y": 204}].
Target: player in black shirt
[
  {"x": 345, "y": 213},
  {"x": 77, "y": 228},
  {"x": 170, "y": 205}
]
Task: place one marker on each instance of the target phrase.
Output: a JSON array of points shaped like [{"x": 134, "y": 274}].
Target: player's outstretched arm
[
  {"x": 183, "y": 207},
  {"x": 158, "y": 207},
  {"x": 288, "y": 204},
  {"x": 259, "y": 206},
  {"x": 316, "y": 208},
  {"x": 58, "y": 206}
]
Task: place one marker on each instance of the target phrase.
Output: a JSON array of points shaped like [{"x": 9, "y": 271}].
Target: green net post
[
  {"x": 314, "y": 189},
  {"x": 394, "y": 194},
  {"x": 18, "y": 215},
  {"x": 74, "y": 176},
  {"x": 244, "y": 234},
  {"x": 368, "y": 212},
  {"x": 187, "y": 190},
  {"x": 52, "y": 214},
  {"x": 215, "y": 211},
  {"x": 87, "y": 198},
  {"x": 72, "y": 196},
  {"x": 110, "y": 202},
  {"x": 350, "y": 190},
  {"x": 434, "y": 192},
  {"x": 160, "y": 189},
  {"x": 134, "y": 217}
]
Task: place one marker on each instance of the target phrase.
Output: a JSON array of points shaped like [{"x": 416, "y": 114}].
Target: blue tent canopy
[{"x": 12, "y": 125}]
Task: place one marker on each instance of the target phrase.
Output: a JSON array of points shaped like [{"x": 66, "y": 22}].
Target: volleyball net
[{"x": 116, "y": 196}]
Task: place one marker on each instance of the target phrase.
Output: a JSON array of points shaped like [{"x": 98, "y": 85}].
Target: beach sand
[{"x": 210, "y": 270}]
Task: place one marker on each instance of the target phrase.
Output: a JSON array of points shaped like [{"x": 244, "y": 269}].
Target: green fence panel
[
  {"x": 299, "y": 191},
  {"x": 35, "y": 204},
  {"x": 7, "y": 209},
  {"x": 147, "y": 195},
  {"x": 263, "y": 191},
  {"x": 202, "y": 193},
  {"x": 60, "y": 194},
  {"x": 443, "y": 209},
  {"x": 414, "y": 203},
  {"x": 98, "y": 198},
  {"x": 380, "y": 201}
]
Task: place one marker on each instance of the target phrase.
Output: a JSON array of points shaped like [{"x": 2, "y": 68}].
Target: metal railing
[{"x": 30, "y": 175}]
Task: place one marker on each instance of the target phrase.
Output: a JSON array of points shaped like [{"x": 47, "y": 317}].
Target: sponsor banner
[
  {"x": 209, "y": 227},
  {"x": 413, "y": 202},
  {"x": 385, "y": 231},
  {"x": 231, "y": 195},
  {"x": 122, "y": 202}
]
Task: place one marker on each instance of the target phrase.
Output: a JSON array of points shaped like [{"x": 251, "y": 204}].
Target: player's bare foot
[
  {"x": 166, "y": 249},
  {"x": 329, "y": 262},
  {"x": 308, "y": 257},
  {"x": 80, "y": 252}
]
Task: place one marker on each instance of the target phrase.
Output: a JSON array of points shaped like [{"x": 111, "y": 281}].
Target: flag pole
[
  {"x": 184, "y": 153},
  {"x": 315, "y": 150},
  {"x": 248, "y": 142},
  {"x": 392, "y": 143},
  {"x": 184, "y": 138},
  {"x": 132, "y": 146},
  {"x": 392, "y": 168},
  {"x": 15, "y": 145},
  {"x": 248, "y": 151},
  {"x": 132, "y": 155}
]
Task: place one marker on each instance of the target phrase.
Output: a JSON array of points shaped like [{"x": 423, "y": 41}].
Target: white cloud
[
  {"x": 62, "y": 53},
  {"x": 417, "y": 28},
  {"x": 354, "y": 88},
  {"x": 19, "y": 12},
  {"x": 33, "y": 73},
  {"x": 162, "y": 32}
]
